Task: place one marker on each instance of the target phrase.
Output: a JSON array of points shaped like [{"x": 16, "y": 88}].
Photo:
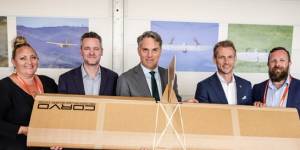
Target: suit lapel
[
  {"x": 219, "y": 89},
  {"x": 290, "y": 94},
  {"x": 141, "y": 82},
  {"x": 104, "y": 79},
  {"x": 163, "y": 78},
  {"x": 239, "y": 90},
  {"x": 78, "y": 81}
]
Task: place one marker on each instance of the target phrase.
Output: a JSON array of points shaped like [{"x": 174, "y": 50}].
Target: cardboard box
[
  {"x": 98, "y": 122},
  {"x": 101, "y": 122}
]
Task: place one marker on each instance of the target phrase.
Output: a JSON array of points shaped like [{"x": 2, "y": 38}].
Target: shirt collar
[
  {"x": 146, "y": 70},
  {"x": 84, "y": 73},
  {"x": 223, "y": 80}
]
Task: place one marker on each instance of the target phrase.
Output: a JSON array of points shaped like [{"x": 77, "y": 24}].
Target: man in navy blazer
[
  {"x": 223, "y": 87},
  {"x": 90, "y": 78},
  {"x": 281, "y": 89}
]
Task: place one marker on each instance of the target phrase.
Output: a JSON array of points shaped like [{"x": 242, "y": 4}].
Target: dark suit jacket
[
  {"x": 15, "y": 111},
  {"x": 210, "y": 91},
  {"x": 293, "y": 99},
  {"x": 71, "y": 82},
  {"x": 134, "y": 83}
]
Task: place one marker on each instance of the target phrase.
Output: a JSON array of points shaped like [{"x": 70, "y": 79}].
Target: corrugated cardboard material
[
  {"x": 101, "y": 122},
  {"x": 95, "y": 122}
]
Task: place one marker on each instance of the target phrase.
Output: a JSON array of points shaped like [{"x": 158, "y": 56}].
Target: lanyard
[
  {"x": 26, "y": 87},
  {"x": 283, "y": 97}
]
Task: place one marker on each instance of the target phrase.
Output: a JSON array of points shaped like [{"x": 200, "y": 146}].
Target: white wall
[
  {"x": 99, "y": 13},
  {"x": 139, "y": 13}
]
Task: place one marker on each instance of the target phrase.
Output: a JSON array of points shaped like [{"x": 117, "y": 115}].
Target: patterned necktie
[{"x": 155, "y": 93}]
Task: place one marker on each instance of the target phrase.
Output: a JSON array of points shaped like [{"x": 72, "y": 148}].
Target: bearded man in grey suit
[{"x": 146, "y": 78}]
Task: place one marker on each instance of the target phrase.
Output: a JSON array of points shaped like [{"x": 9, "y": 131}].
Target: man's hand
[
  {"x": 190, "y": 101},
  {"x": 259, "y": 104},
  {"x": 56, "y": 148}
]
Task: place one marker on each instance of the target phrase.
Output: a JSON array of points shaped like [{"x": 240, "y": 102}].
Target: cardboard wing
[
  {"x": 169, "y": 94},
  {"x": 99, "y": 122}
]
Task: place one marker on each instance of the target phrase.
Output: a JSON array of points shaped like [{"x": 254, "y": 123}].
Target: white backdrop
[
  {"x": 99, "y": 13},
  {"x": 139, "y": 13}
]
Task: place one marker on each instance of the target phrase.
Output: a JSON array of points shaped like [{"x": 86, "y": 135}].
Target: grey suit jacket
[{"x": 133, "y": 83}]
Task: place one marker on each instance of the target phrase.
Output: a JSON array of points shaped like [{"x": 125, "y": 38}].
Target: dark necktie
[{"x": 155, "y": 93}]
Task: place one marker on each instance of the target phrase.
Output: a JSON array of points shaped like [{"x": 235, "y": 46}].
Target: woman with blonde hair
[{"x": 17, "y": 93}]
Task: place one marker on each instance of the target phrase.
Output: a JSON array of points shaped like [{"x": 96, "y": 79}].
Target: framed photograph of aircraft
[
  {"x": 3, "y": 42},
  {"x": 56, "y": 40},
  {"x": 253, "y": 43},
  {"x": 191, "y": 42}
]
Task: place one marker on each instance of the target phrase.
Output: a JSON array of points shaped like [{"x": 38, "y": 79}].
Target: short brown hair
[
  {"x": 90, "y": 35},
  {"x": 226, "y": 43},
  {"x": 150, "y": 34},
  {"x": 280, "y": 49}
]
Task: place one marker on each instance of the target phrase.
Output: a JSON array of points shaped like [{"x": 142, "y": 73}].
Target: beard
[{"x": 278, "y": 74}]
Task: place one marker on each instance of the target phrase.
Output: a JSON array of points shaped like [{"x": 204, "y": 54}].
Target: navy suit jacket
[
  {"x": 71, "y": 82},
  {"x": 210, "y": 91},
  {"x": 293, "y": 99}
]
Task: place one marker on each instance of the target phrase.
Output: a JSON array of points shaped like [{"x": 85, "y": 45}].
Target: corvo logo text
[{"x": 67, "y": 106}]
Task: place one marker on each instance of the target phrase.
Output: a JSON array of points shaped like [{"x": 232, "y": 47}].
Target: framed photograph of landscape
[
  {"x": 253, "y": 43},
  {"x": 56, "y": 40},
  {"x": 3, "y": 42},
  {"x": 191, "y": 42}
]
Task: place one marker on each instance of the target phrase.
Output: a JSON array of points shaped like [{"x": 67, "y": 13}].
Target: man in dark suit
[
  {"x": 147, "y": 78},
  {"x": 90, "y": 78},
  {"x": 281, "y": 89},
  {"x": 223, "y": 87}
]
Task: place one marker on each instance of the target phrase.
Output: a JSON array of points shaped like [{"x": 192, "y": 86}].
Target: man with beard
[
  {"x": 90, "y": 78},
  {"x": 223, "y": 87},
  {"x": 281, "y": 90}
]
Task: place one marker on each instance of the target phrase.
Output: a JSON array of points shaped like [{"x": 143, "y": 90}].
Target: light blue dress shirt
[
  {"x": 91, "y": 85},
  {"x": 274, "y": 95}
]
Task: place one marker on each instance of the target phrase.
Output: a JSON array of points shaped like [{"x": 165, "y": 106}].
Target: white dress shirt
[
  {"x": 148, "y": 79},
  {"x": 229, "y": 89}
]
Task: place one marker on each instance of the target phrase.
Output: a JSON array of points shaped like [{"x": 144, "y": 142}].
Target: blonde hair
[{"x": 20, "y": 41}]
